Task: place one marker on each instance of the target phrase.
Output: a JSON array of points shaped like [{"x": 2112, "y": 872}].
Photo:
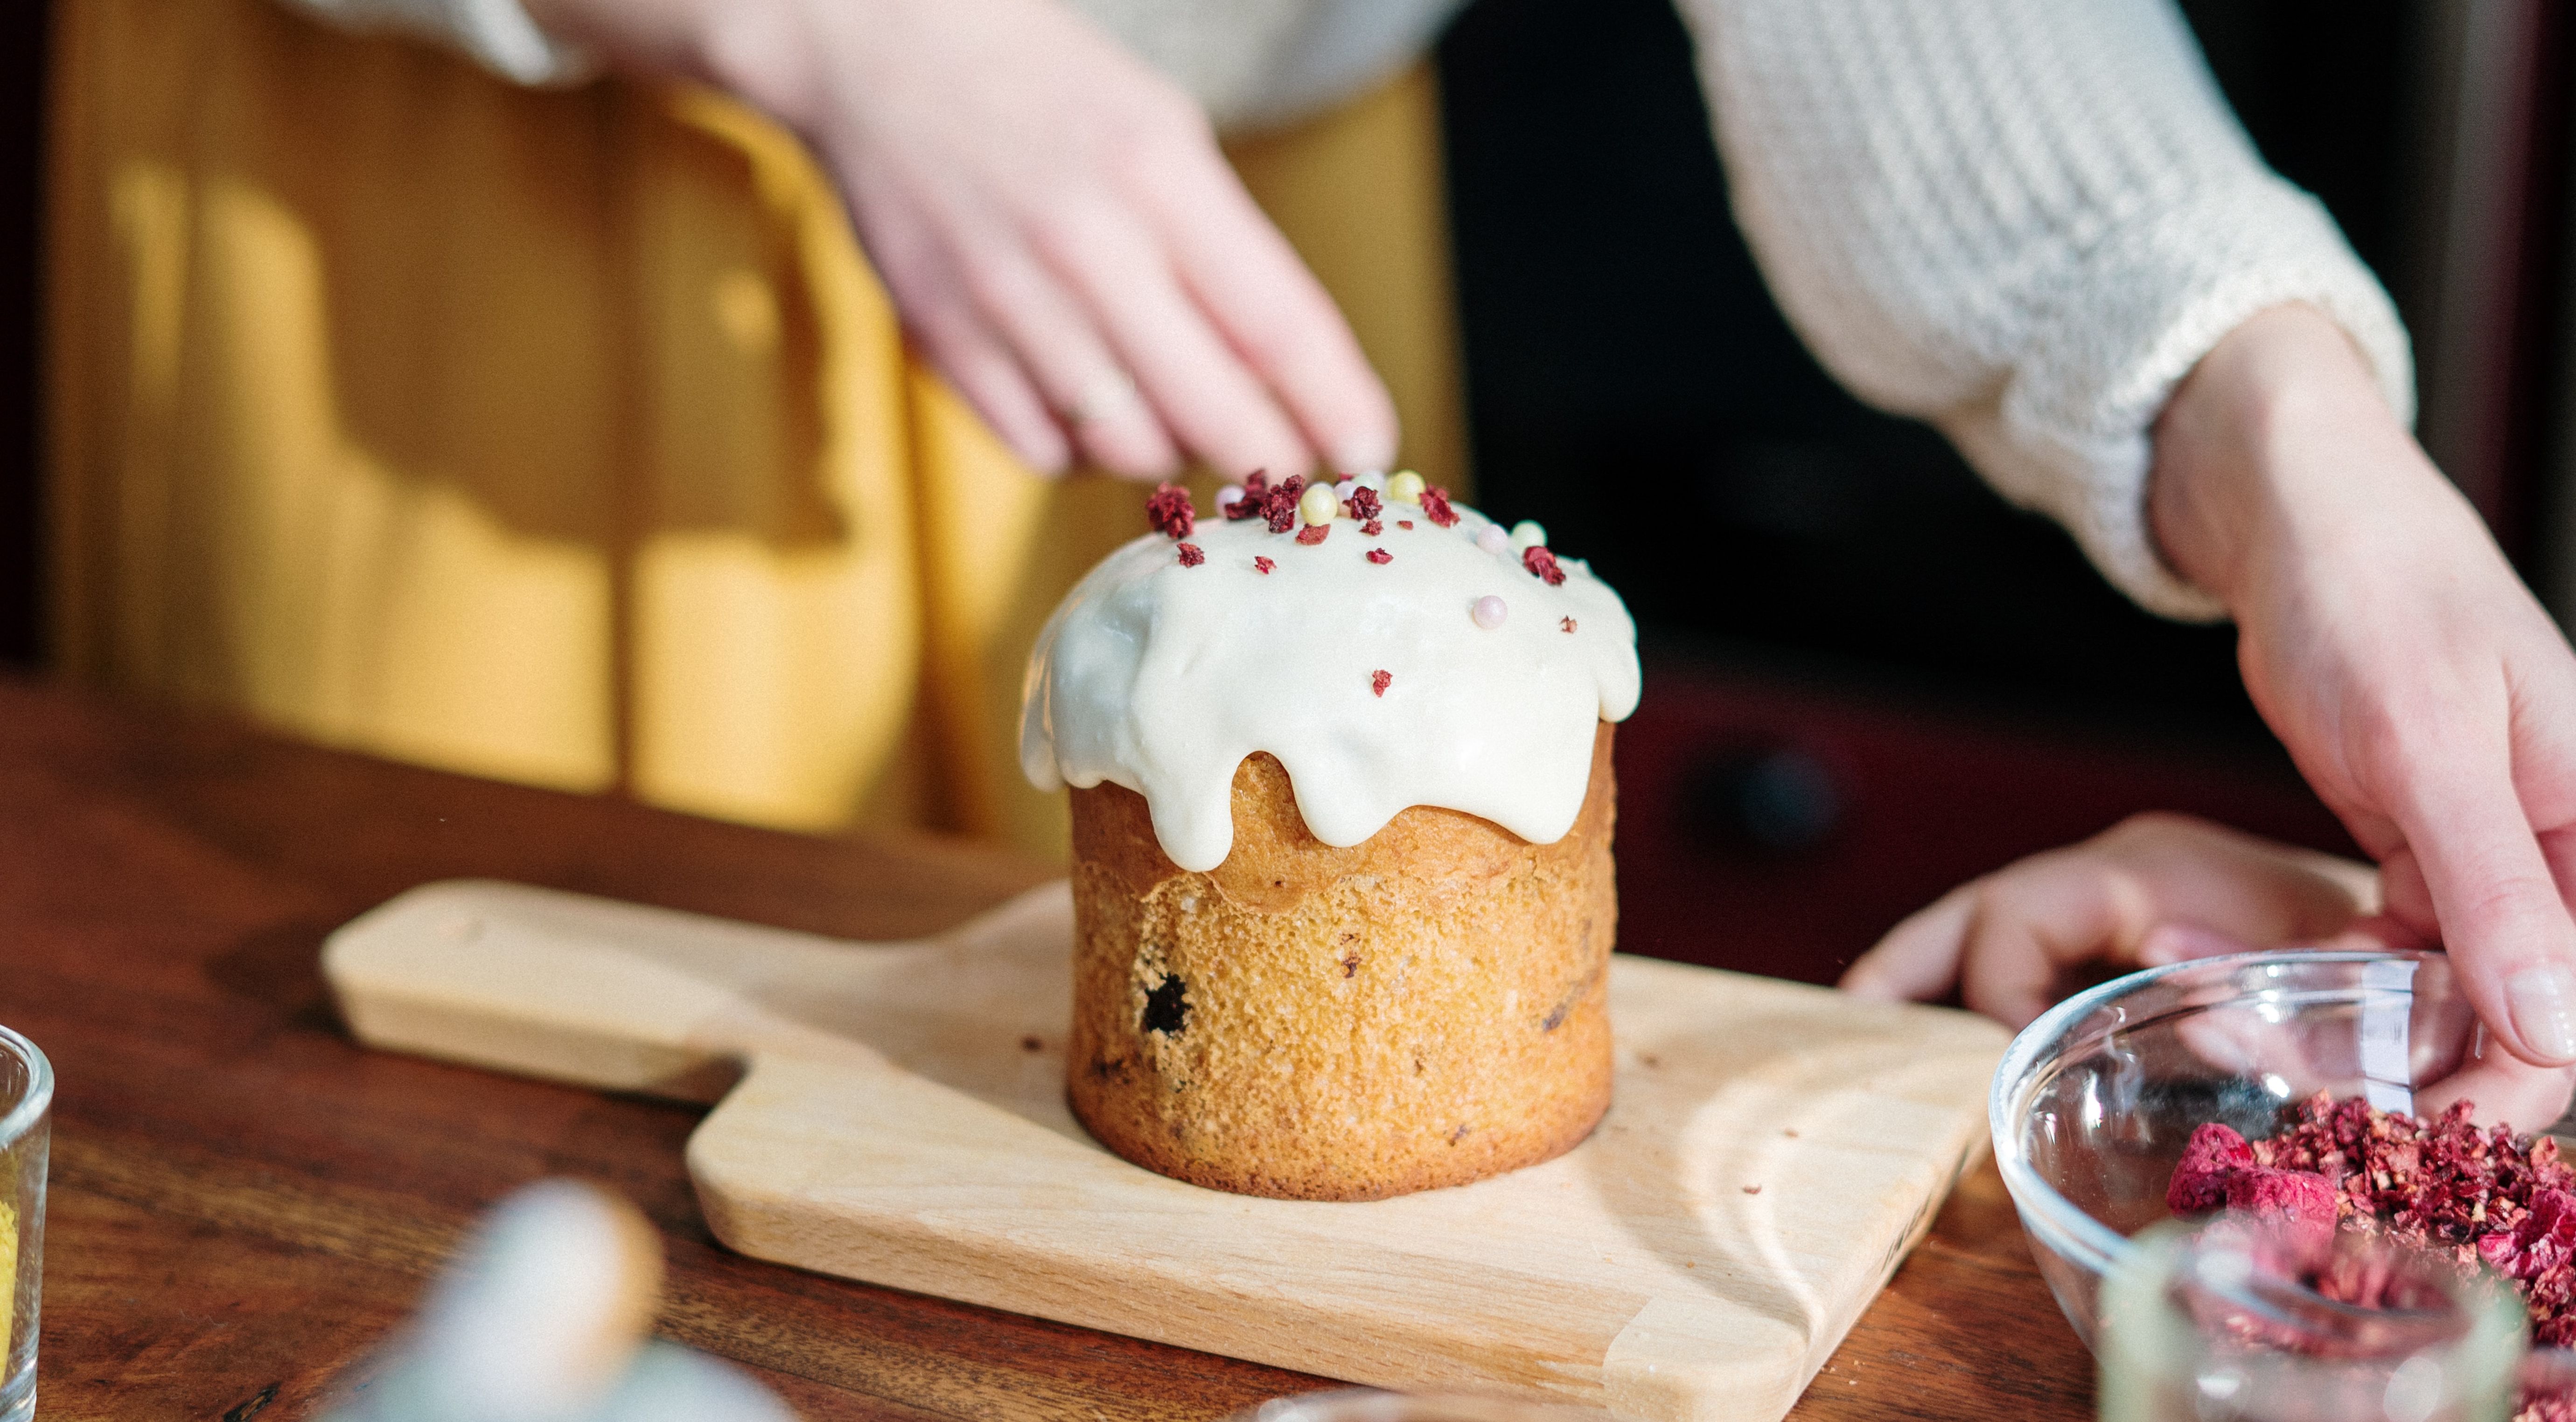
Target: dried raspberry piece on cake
[
  {"x": 1379, "y": 681},
  {"x": 1364, "y": 503},
  {"x": 1192, "y": 555},
  {"x": 1311, "y": 534},
  {"x": 1171, "y": 512},
  {"x": 1435, "y": 507},
  {"x": 1256, "y": 490},
  {"x": 1538, "y": 560},
  {"x": 1280, "y": 505},
  {"x": 1380, "y": 555}
]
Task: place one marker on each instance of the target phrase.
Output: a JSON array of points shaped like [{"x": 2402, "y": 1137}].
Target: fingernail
[{"x": 2543, "y": 1000}]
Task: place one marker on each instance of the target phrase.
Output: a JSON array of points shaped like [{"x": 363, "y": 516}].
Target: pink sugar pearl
[{"x": 1489, "y": 612}]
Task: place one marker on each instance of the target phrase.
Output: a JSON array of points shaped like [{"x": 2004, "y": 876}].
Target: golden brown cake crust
[{"x": 1426, "y": 1008}]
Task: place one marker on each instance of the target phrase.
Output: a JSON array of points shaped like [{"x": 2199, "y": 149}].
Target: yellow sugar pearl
[
  {"x": 1319, "y": 504},
  {"x": 1405, "y": 487}
]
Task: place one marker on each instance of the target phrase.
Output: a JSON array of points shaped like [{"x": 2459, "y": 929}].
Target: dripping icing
[{"x": 1163, "y": 677}]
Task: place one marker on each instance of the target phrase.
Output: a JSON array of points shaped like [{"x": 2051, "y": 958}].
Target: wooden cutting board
[{"x": 894, "y": 1112}]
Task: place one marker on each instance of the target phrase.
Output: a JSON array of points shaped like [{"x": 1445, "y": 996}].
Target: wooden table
[{"x": 243, "y": 1201}]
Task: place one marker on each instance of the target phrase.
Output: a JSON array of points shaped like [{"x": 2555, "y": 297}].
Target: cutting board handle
[{"x": 550, "y": 984}]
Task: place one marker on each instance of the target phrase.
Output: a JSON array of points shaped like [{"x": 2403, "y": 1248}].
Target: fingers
[
  {"x": 1065, "y": 241},
  {"x": 2153, "y": 889},
  {"x": 2404, "y": 896},
  {"x": 1919, "y": 958},
  {"x": 1274, "y": 313},
  {"x": 1210, "y": 400},
  {"x": 2046, "y": 915},
  {"x": 1081, "y": 379},
  {"x": 2168, "y": 943},
  {"x": 984, "y": 371},
  {"x": 940, "y": 315},
  {"x": 2498, "y": 905}
]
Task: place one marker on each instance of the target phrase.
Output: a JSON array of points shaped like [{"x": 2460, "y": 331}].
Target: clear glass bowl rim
[
  {"x": 2052, "y": 1219},
  {"x": 22, "y": 1117}
]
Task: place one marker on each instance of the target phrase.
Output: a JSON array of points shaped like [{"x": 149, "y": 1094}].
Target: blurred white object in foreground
[{"x": 545, "y": 1318}]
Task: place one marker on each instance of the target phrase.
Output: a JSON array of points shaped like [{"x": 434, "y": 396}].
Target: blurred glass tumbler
[
  {"x": 2222, "y": 1325},
  {"x": 26, "y": 1109}
]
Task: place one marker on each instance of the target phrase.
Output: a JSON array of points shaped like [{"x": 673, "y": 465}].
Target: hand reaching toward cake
[{"x": 1053, "y": 219}]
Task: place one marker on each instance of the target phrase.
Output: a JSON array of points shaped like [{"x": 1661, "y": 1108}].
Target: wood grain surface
[
  {"x": 243, "y": 1200},
  {"x": 896, "y": 1113}
]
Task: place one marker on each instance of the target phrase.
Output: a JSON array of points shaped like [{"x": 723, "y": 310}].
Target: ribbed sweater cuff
[{"x": 2121, "y": 327}]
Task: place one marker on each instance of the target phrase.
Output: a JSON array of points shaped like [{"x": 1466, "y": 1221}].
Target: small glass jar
[
  {"x": 26, "y": 1105},
  {"x": 2227, "y": 1324}
]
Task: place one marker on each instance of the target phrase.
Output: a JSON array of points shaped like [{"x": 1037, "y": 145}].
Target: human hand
[
  {"x": 1054, "y": 221},
  {"x": 2151, "y": 890},
  {"x": 2419, "y": 686},
  {"x": 2159, "y": 889}
]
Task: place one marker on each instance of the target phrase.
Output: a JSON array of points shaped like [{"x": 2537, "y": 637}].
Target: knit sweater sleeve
[
  {"x": 2023, "y": 221},
  {"x": 498, "y": 34}
]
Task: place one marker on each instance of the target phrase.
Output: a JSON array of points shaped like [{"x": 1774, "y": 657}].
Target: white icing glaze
[{"x": 1162, "y": 678}]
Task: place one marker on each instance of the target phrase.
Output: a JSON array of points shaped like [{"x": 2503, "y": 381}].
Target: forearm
[{"x": 2024, "y": 222}]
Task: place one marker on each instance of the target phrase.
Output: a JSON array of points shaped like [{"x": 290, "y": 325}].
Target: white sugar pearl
[
  {"x": 1489, "y": 612},
  {"x": 1321, "y": 503},
  {"x": 1493, "y": 540},
  {"x": 1230, "y": 494},
  {"x": 1528, "y": 534},
  {"x": 1372, "y": 479}
]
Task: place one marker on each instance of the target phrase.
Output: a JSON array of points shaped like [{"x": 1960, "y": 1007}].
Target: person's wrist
[
  {"x": 2278, "y": 449},
  {"x": 766, "y": 52}
]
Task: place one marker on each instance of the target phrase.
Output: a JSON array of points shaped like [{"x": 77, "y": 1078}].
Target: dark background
[{"x": 22, "y": 104}]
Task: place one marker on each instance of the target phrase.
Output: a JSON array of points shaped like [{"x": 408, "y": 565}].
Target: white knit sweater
[{"x": 2021, "y": 220}]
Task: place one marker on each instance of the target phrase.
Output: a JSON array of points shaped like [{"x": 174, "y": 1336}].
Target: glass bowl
[{"x": 2095, "y": 1099}]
